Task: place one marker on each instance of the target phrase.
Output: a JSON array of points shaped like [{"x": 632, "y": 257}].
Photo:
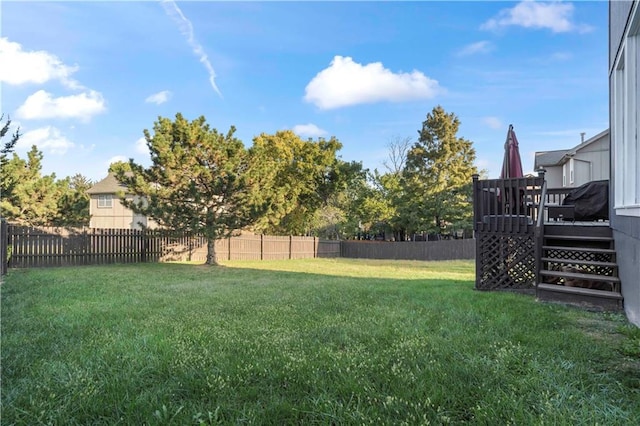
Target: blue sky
[{"x": 83, "y": 79}]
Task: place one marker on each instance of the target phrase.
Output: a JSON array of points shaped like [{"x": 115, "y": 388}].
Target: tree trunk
[{"x": 212, "y": 256}]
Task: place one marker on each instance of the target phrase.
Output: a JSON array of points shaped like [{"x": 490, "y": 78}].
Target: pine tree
[
  {"x": 438, "y": 176},
  {"x": 27, "y": 196},
  {"x": 73, "y": 201},
  {"x": 200, "y": 180}
]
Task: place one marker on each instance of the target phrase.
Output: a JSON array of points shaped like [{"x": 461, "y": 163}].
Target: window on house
[
  {"x": 105, "y": 201},
  {"x": 626, "y": 119},
  {"x": 571, "y": 171}
]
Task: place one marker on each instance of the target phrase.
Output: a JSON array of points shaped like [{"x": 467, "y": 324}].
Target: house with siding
[
  {"x": 624, "y": 121},
  {"x": 570, "y": 168},
  {"x": 107, "y": 211}
]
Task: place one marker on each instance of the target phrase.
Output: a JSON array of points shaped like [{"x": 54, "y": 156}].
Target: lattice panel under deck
[
  {"x": 505, "y": 262},
  {"x": 581, "y": 256}
]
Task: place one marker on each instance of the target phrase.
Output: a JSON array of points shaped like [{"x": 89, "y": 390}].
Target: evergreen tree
[
  {"x": 10, "y": 144},
  {"x": 27, "y": 196},
  {"x": 438, "y": 174},
  {"x": 200, "y": 180},
  {"x": 73, "y": 201}
]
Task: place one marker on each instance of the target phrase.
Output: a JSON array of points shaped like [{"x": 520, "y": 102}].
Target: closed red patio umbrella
[
  {"x": 512, "y": 164},
  {"x": 512, "y": 168}
]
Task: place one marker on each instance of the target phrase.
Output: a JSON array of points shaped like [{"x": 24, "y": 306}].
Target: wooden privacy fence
[
  {"x": 48, "y": 246},
  {"x": 411, "y": 250},
  {"x": 270, "y": 247}
]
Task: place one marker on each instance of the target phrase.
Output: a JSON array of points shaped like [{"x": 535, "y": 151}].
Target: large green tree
[
  {"x": 200, "y": 180},
  {"x": 299, "y": 179},
  {"x": 27, "y": 196},
  {"x": 73, "y": 201},
  {"x": 438, "y": 174},
  {"x": 337, "y": 217},
  {"x": 30, "y": 198}
]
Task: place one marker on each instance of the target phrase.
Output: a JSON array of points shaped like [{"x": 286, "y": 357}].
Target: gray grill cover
[{"x": 590, "y": 201}]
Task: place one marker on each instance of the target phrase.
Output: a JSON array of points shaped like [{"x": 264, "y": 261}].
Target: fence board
[
  {"x": 302, "y": 248},
  {"x": 276, "y": 247},
  {"x": 245, "y": 248},
  {"x": 427, "y": 250},
  {"x": 328, "y": 248}
]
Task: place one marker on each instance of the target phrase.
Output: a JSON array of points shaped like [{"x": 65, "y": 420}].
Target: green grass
[{"x": 305, "y": 342}]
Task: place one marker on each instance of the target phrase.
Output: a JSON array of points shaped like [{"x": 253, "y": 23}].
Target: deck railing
[
  {"x": 506, "y": 213},
  {"x": 556, "y": 195},
  {"x": 506, "y": 205}
]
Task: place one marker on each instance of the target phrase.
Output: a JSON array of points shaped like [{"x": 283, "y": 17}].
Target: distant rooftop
[
  {"x": 108, "y": 185},
  {"x": 555, "y": 158},
  {"x": 549, "y": 158}
]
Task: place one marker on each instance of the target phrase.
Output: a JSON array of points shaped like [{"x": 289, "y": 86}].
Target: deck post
[
  {"x": 539, "y": 231},
  {"x": 476, "y": 218}
]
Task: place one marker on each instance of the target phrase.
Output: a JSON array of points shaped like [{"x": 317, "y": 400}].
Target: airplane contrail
[{"x": 186, "y": 28}]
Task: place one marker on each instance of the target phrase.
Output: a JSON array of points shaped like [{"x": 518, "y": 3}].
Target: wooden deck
[{"x": 523, "y": 245}]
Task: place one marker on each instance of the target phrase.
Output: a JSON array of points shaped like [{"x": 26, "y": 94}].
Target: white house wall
[
  {"x": 592, "y": 162},
  {"x": 553, "y": 176},
  {"x": 117, "y": 216}
]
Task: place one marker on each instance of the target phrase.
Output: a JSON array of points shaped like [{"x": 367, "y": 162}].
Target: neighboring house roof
[
  {"x": 108, "y": 185},
  {"x": 549, "y": 158},
  {"x": 588, "y": 142},
  {"x": 559, "y": 157}
]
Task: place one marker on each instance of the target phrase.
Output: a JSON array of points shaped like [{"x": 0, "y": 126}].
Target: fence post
[
  {"x": 143, "y": 244},
  {"x": 315, "y": 248},
  {"x": 261, "y": 246},
  {"x": 4, "y": 246},
  {"x": 290, "y": 245},
  {"x": 89, "y": 255}
]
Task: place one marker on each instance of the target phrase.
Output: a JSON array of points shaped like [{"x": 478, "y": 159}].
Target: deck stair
[{"x": 578, "y": 266}]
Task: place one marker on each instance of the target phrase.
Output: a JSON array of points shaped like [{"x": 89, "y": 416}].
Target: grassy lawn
[{"x": 319, "y": 341}]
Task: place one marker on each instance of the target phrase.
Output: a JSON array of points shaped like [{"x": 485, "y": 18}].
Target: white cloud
[
  {"x": 556, "y": 16},
  {"x": 48, "y": 139},
  {"x": 141, "y": 146},
  {"x": 42, "y": 105},
  {"x": 159, "y": 98},
  {"x": 474, "y": 48},
  {"x": 186, "y": 28},
  {"x": 346, "y": 82},
  {"x": 561, "y": 56},
  {"x": 33, "y": 66},
  {"x": 309, "y": 130},
  {"x": 492, "y": 122}
]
